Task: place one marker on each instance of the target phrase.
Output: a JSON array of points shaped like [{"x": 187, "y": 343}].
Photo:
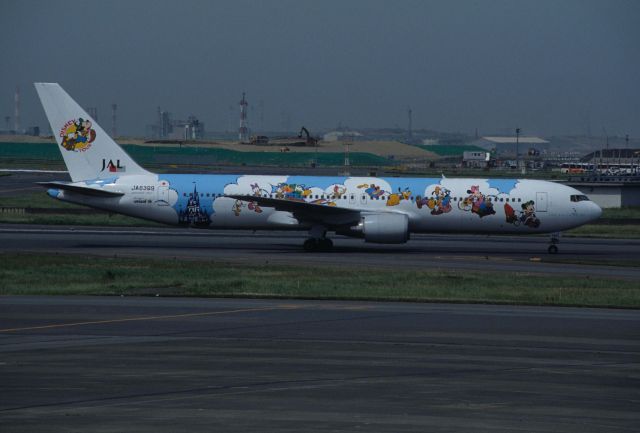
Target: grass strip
[
  {"x": 623, "y": 231},
  {"x": 31, "y": 274},
  {"x": 11, "y": 153}
]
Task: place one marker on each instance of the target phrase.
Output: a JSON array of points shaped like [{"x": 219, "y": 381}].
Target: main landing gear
[
  {"x": 323, "y": 244},
  {"x": 318, "y": 240},
  {"x": 555, "y": 240}
]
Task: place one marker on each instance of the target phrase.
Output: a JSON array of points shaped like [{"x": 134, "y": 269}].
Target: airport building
[
  {"x": 508, "y": 146},
  {"x": 167, "y": 128},
  {"x": 609, "y": 191},
  {"x": 614, "y": 161},
  {"x": 610, "y": 177}
]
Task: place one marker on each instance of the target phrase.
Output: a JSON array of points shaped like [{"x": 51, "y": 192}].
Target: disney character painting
[
  {"x": 77, "y": 135},
  {"x": 395, "y": 199},
  {"x": 291, "y": 191},
  {"x": 439, "y": 203},
  {"x": 527, "y": 215},
  {"x": 374, "y": 191},
  {"x": 477, "y": 202}
]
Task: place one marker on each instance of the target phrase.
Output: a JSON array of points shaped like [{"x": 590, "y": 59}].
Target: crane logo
[{"x": 77, "y": 135}]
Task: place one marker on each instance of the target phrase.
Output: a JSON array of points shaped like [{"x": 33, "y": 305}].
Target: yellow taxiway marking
[{"x": 141, "y": 318}]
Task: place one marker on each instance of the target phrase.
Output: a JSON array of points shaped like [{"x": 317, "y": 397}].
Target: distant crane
[
  {"x": 243, "y": 131},
  {"x": 311, "y": 141}
]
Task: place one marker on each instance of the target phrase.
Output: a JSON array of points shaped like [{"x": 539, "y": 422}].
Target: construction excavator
[{"x": 311, "y": 141}]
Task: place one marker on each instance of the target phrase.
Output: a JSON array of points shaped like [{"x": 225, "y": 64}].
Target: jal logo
[{"x": 112, "y": 167}]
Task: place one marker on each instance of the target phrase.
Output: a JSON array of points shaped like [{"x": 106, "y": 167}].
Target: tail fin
[{"x": 88, "y": 151}]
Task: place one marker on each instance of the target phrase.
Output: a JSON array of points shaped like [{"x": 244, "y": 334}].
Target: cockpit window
[{"x": 576, "y": 198}]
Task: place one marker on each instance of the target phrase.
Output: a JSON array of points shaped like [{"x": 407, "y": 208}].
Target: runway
[
  {"x": 457, "y": 252},
  {"x": 79, "y": 364}
]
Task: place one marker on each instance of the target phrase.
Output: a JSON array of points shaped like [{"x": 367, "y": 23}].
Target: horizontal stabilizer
[{"x": 80, "y": 189}]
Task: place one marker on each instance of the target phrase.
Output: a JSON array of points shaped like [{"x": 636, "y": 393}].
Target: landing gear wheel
[
  {"x": 310, "y": 245},
  {"x": 325, "y": 244},
  {"x": 553, "y": 249}
]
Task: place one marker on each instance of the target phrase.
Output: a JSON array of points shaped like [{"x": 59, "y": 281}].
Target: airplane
[{"x": 378, "y": 210}]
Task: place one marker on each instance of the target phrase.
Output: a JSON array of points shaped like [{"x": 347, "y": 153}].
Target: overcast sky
[{"x": 549, "y": 67}]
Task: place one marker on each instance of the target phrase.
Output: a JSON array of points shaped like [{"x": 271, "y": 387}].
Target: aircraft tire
[
  {"x": 310, "y": 245},
  {"x": 325, "y": 244},
  {"x": 553, "y": 249}
]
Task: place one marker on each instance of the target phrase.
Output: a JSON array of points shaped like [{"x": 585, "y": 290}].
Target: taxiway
[
  {"x": 112, "y": 364},
  {"x": 463, "y": 252}
]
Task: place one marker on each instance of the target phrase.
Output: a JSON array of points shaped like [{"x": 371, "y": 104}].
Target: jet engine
[{"x": 385, "y": 228}]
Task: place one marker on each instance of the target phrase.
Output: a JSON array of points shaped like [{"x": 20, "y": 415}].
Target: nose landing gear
[{"x": 555, "y": 240}]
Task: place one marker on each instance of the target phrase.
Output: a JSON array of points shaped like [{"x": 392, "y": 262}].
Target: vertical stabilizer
[{"x": 88, "y": 151}]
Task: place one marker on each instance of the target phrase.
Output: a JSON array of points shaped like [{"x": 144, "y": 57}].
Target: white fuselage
[{"x": 431, "y": 204}]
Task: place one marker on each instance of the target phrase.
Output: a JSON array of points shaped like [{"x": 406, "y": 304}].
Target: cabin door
[{"x": 541, "y": 201}]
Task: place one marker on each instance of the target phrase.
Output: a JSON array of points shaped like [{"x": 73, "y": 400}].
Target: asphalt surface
[
  {"x": 14, "y": 183},
  {"x": 164, "y": 365},
  {"x": 457, "y": 252}
]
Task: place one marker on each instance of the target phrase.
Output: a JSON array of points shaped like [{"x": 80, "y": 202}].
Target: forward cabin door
[{"x": 541, "y": 202}]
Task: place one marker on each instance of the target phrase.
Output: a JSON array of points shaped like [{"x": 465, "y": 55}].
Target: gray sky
[{"x": 550, "y": 67}]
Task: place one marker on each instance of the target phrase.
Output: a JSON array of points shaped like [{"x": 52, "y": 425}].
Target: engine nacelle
[{"x": 385, "y": 228}]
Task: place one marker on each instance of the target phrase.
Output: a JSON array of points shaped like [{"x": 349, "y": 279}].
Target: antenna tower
[
  {"x": 16, "y": 114},
  {"x": 114, "y": 107},
  {"x": 243, "y": 131}
]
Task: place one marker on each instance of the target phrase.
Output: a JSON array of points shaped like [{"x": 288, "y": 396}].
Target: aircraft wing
[
  {"x": 306, "y": 212},
  {"x": 81, "y": 189}
]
